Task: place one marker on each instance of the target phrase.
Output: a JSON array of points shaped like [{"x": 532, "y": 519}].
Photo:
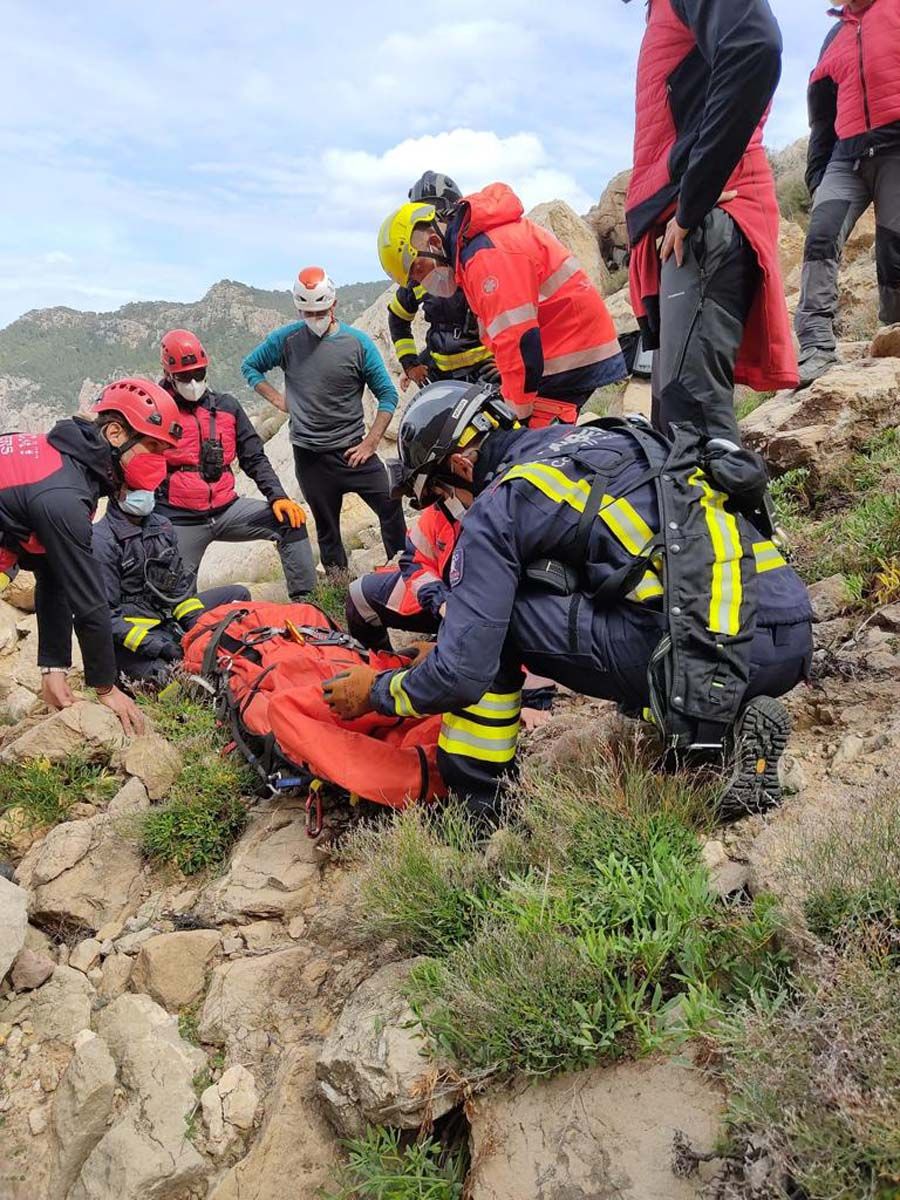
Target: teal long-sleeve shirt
[{"x": 324, "y": 380}]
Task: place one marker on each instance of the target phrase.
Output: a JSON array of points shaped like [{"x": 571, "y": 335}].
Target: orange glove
[
  {"x": 290, "y": 511},
  {"x": 417, "y": 652},
  {"x": 348, "y": 693}
]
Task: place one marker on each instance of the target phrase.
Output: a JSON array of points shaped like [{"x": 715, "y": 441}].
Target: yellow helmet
[{"x": 395, "y": 248}]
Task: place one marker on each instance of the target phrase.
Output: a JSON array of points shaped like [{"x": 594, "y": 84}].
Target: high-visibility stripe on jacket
[
  {"x": 687, "y": 153},
  {"x": 451, "y": 340},
  {"x": 854, "y": 89},
  {"x": 540, "y": 315}
]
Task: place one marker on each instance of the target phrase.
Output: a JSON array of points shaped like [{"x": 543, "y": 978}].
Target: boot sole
[{"x": 760, "y": 737}]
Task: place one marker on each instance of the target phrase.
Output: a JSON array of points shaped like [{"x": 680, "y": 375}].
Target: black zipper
[{"x": 862, "y": 77}]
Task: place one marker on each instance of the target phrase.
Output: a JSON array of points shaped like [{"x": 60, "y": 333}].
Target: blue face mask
[{"x": 138, "y": 503}]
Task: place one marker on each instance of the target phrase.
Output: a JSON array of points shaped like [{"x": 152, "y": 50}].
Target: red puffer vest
[
  {"x": 184, "y": 486},
  {"x": 863, "y": 60},
  {"x": 767, "y": 359}
]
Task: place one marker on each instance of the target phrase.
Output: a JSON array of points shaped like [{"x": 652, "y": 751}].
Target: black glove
[
  {"x": 489, "y": 373},
  {"x": 169, "y": 651}
]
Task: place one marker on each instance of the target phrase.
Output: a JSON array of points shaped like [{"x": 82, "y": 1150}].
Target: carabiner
[{"x": 314, "y": 820}]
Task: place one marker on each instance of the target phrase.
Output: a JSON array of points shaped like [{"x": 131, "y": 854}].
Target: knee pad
[{"x": 823, "y": 242}]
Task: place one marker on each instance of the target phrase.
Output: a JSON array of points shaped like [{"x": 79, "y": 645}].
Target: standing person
[
  {"x": 49, "y": 488},
  {"x": 710, "y": 301},
  {"x": 198, "y": 495},
  {"x": 853, "y": 161},
  {"x": 552, "y": 338},
  {"x": 152, "y": 597},
  {"x": 453, "y": 348},
  {"x": 327, "y": 366}
]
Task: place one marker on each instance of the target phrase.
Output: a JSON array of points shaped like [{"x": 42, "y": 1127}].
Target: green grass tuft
[
  {"x": 41, "y": 793},
  {"x": 380, "y": 1167},
  {"x": 331, "y": 596}
]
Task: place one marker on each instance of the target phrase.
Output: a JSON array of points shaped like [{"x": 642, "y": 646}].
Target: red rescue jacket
[
  {"x": 684, "y": 159},
  {"x": 539, "y": 314},
  {"x": 854, "y": 91}
]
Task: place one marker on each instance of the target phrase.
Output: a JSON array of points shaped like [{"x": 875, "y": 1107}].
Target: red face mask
[{"x": 144, "y": 472}]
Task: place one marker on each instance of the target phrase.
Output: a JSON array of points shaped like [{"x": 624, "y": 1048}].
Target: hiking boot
[
  {"x": 814, "y": 364},
  {"x": 760, "y": 736}
]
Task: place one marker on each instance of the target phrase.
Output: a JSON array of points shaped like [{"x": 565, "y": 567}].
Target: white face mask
[
  {"x": 440, "y": 282},
  {"x": 191, "y": 390},
  {"x": 319, "y": 325}
]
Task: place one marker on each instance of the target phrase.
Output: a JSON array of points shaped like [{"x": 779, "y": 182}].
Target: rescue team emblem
[
  {"x": 456, "y": 567},
  {"x": 490, "y": 285}
]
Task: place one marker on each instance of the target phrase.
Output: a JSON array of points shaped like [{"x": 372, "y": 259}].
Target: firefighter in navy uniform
[
  {"x": 152, "y": 597},
  {"x": 453, "y": 348},
  {"x": 561, "y": 566},
  {"x": 49, "y": 489}
]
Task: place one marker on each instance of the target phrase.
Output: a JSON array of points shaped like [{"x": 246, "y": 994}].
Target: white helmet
[{"x": 314, "y": 290}]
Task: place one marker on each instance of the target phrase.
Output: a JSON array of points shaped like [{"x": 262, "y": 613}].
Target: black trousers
[
  {"x": 704, "y": 305},
  {"x": 325, "y": 478}
]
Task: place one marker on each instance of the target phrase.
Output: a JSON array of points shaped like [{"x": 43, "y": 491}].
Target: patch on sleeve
[
  {"x": 456, "y": 567},
  {"x": 490, "y": 285}
]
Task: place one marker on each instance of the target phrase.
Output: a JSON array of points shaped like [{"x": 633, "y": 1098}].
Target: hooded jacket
[
  {"x": 538, "y": 313},
  {"x": 49, "y": 488},
  {"x": 854, "y": 90},
  {"x": 706, "y": 75},
  {"x": 185, "y": 496}
]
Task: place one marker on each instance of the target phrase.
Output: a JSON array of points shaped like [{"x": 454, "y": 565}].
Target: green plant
[
  {"x": 196, "y": 834},
  {"x": 747, "y": 401},
  {"x": 812, "y": 1079},
  {"x": 40, "y": 793},
  {"x": 380, "y": 1167},
  {"x": 189, "y": 1024},
  {"x": 331, "y": 596}
]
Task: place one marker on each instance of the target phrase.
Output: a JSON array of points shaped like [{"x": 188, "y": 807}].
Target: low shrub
[
  {"x": 380, "y": 1167},
  {"x": 330, "y": 595},
  {"x": 41, "y": 793}
]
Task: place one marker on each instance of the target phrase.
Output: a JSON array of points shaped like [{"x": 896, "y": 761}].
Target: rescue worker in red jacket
[
  {"x": 49, "y": 488},
  {"x": 410, "y": 597},
  {"x": 198, "y": 495},
  {"x": 552, "y": 338},
  {"x": 710, "y": 300},
  {"x": 453, "y": 348},
  {"x": 853, "y": 160},
  {"x": 564, "y": 564}
]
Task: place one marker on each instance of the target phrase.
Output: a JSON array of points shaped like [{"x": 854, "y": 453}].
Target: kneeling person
[
  {"x": 151, "y": 596},
  {"x": 738, "y": 617}
]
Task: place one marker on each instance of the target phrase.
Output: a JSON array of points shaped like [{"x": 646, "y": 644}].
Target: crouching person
[
  {"x": 609, "y": 559},
  {"x": 151, "y": 595}
]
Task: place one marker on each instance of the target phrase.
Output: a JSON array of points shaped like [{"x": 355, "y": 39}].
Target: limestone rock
[
  {"x": 249, "y": 996},
  {"x": 31, "y": 969},
  {"x": 861, "y": 241},
  {"x": 791, "y": 240},
  {"x": 576, "y": 235},
  {"x": 154, "y": 761},
  {"x": 20, "y": 703},
  {"x": 172, "y": 967},
  {"x": 240, "y": 1099},
  {"x": 85, "y": 955},
  {"x": 146, "y": 1153},
  {"x": 295, "y": 1153},
  {"x": 83, "y": 726},
  {"x": 81, "y": 1108},
  {"x": 372, "y": 1067},
  {"x": 58, "y": 1010},
  {"x": 82, "y": 875},
  {"x": 824, "y": 424},
  {"x": 726, "y": 877},
  {"x": 619, "y": 307},
  {"x": 20, "y": 593},
  {"x": 9, "y": 631},
  {"x": 115, "y": 976},
  {"x": 130, "y": 798},
  {"x": 606, "y": 1132},
  {"x": 830, "y": 597},
  {"x": 886, "y": 343},
  {"x": 218, "y": 1137},
  {"x": 274, "y": 869},
  {"x": 13, "y": 922},
  {"x": 889, "y": 618},
  {"x": 607, "y": 219}
]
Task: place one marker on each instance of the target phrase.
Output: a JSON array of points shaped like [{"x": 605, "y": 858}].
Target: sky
[{"x": 149, "y": 150}]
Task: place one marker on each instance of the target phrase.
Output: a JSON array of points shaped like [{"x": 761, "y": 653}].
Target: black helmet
[
  {"x": 444, "y": 418},
  {"x": 436, "y": 189}
]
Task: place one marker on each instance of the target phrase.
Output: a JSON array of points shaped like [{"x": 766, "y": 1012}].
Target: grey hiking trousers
[
  {"x": 846, "y": 191},
  {"x": 704, "y": 305},
  {"x": 247, "y": 520}
]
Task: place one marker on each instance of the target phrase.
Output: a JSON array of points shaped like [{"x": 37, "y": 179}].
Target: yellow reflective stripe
[
  {"x": 399, "y": 311},
  {"x": 768, "y": 557},
  {"x": 470, "y": 740},
  {"x": 497, "y": 706},
  {"x": 4, "y": 580},
  {"x": 192, "y": 604},
  {"x": 404, "y": 346},
  {"x": 463, "y": 358},
  {"x": 553, "y": 483},
  {"x": 418, "y": 291},
  {"x": 626, "y": 523},
  {"x": 727, "y": 588},
  {"x": 402, "y": 703},
  {"x": 648, "y": 589},
  {"x": 140, "y": 627}
]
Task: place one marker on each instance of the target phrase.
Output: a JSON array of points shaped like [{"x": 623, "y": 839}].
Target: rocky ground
[{"x": 171, "y": 1037}]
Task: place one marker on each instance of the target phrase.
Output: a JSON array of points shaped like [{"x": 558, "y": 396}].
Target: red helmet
[
  {"x": 182, "y": 351},
  {"x": 147, "y": 408}
]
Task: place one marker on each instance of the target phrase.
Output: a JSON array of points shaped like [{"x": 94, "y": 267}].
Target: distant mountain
[{"x": 50, "y": 355}]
